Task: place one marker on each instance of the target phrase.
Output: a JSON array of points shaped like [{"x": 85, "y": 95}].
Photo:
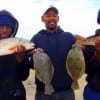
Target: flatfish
[
  {"x": 44, "y": 70},
  {"x": 75, "y": 65}
]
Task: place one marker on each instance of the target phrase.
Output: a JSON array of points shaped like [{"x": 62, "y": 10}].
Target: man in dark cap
[
  {"x": 56, "y": 43},
  {"x": 12, "y": 67},
  {"x": 92, "y": 59}
]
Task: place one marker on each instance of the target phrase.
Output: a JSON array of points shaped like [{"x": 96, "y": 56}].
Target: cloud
[{"x": 77, "y": 16}]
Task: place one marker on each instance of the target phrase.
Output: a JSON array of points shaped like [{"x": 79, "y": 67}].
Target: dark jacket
[
  {"x": 57, "y": 46},
  {"x": 12, "y": 73},
  {"x": 92, "y": 68}
]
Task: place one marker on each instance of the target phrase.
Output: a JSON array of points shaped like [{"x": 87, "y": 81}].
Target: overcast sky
[{"x": 76, "y": 16}]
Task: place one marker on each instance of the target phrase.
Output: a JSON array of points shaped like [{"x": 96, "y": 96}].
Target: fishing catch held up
[{"x": 9, "y": 45}]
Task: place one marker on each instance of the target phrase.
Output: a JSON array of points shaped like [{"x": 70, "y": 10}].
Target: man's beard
[{"x": 52, "y": 28}]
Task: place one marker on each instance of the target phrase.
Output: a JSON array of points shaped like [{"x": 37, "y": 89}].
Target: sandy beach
[{"x": 30, "y": 87}]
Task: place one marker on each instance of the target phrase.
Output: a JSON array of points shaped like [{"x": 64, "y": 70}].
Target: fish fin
[
  {"x": 75, "y": 85},
  {"x": 49, "y": 89},
  {"x": 14, "y": 48}
]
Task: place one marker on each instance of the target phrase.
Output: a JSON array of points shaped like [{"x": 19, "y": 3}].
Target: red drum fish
[{"x": 9, "y": 45}]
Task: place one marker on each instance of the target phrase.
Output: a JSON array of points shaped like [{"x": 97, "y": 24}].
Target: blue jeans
[
  {"x": 62, "y": 95},
  {"x": 90, "y": 94}
]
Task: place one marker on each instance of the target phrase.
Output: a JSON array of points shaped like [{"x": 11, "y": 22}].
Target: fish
[
  {"x": 86, "y": 41},
  {"x": 44, "y": 70},
  {"x": 75, "y": 65},
  {"x": 9, "y": 45}
]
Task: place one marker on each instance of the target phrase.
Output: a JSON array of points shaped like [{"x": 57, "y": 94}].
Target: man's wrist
[{"x": 97, "y": 55}]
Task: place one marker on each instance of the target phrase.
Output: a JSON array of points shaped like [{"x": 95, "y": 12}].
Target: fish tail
[
  {"x": 75, "y": 85},
  {"x": 49, "y": 89}
]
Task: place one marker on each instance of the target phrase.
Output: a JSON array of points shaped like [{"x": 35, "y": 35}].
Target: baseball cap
[{"x": 51, "y": 8}]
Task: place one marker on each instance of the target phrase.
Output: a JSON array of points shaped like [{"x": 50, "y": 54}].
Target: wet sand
[{"x": 30, "y": 87}]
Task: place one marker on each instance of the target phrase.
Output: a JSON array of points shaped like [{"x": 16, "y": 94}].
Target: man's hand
[
  {"x": 37, "y": 50},
  {"x": 97, "y": 44},
  {"x": 81, "y": 46},
  {"x": 20, "y": 52},
  {"x": 97, "y": 48}
]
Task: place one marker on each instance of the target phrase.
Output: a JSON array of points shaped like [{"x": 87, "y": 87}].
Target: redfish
[{"x": 9, "y": 45}]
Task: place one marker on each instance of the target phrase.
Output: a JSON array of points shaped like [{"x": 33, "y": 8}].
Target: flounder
[
  {"x": 75, "y": 65},
  {"x": 44, "y": 70}
]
